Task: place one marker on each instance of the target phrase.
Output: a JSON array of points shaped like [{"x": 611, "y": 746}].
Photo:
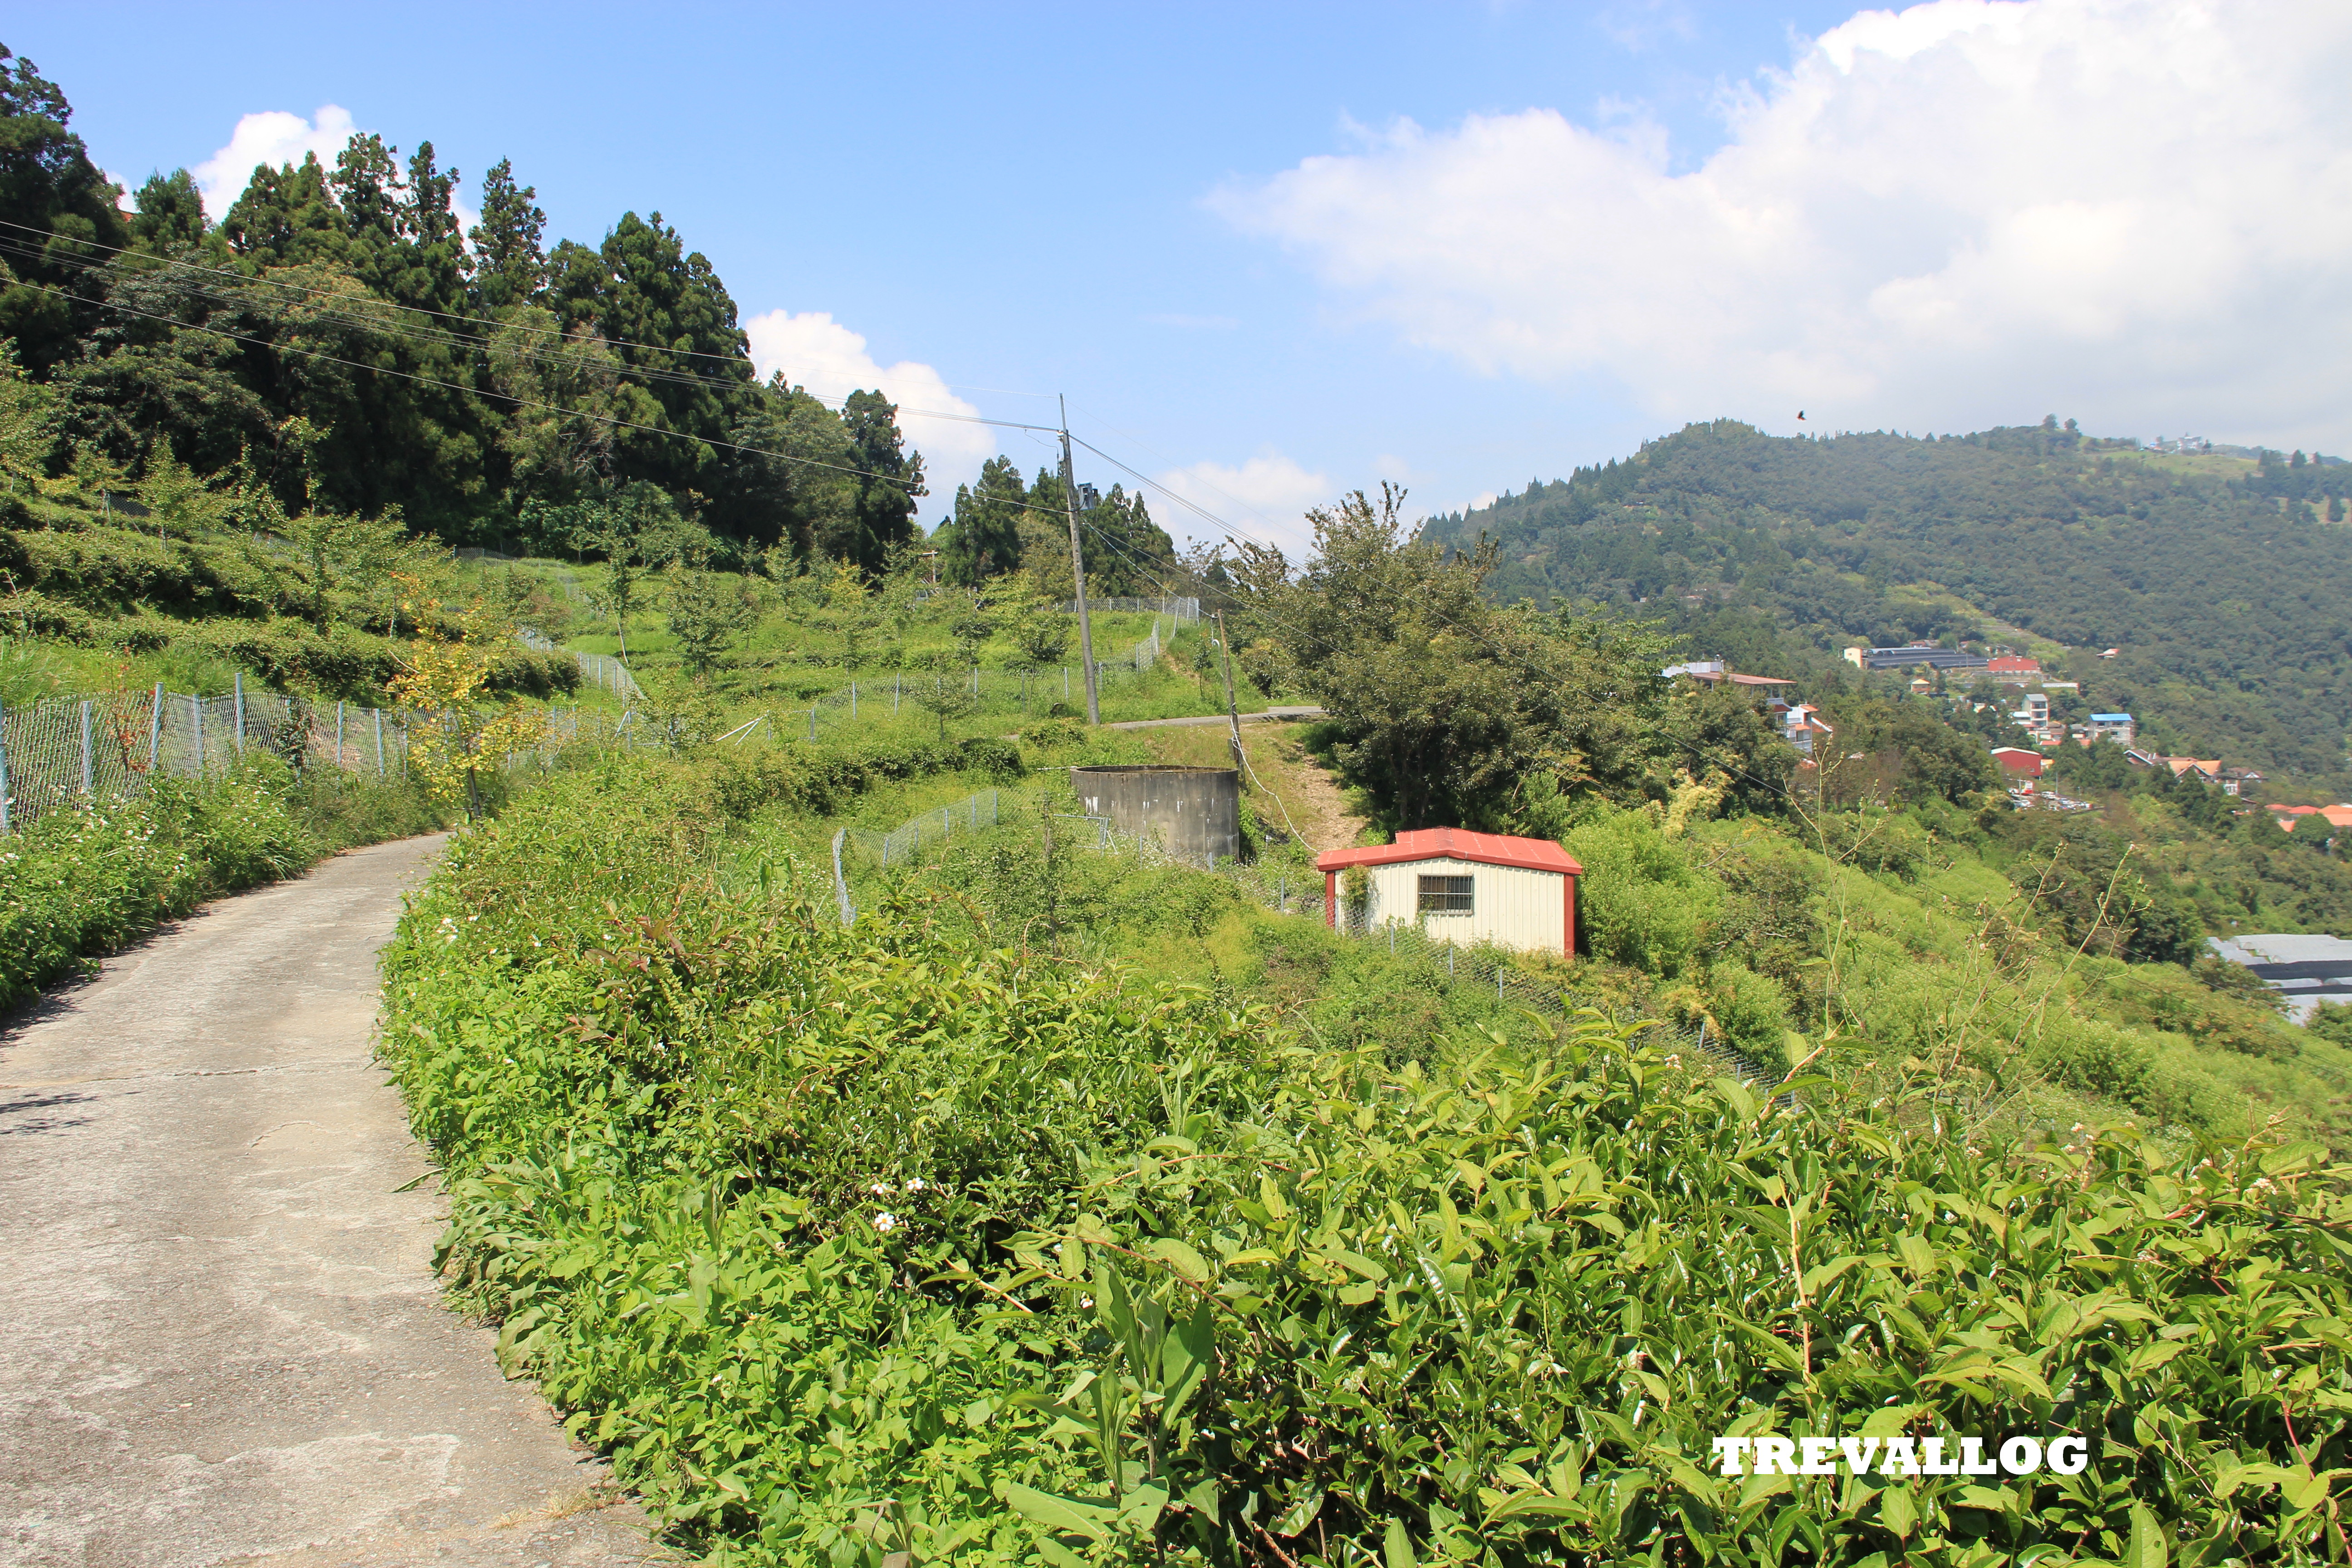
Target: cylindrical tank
[{"x": 1194, "y": 814}]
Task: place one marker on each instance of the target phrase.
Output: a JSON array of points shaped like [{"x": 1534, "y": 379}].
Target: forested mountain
[
  {"x": 335, "y": 343},
  {"x": 2226, "y": 592}
]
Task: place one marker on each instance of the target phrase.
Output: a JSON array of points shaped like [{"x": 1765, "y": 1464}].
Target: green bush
[
  {"x": 853, "y": 1242},
  {"x": 78, "y": 884},
  {"x": 1640, "y": 902}
]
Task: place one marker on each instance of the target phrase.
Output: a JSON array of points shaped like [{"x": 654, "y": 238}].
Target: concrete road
[{"x": 223, "y": 1339}]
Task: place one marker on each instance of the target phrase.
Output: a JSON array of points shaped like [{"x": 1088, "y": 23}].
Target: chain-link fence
[
  {"x": 63, "y": 752},
  {"x": 974, "y": 814},
  {"x": 1186, "y": 612},
  {"x": 602, "y": 669}
]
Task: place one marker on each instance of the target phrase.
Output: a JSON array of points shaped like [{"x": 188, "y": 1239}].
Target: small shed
[{"x": 1465, "y": 886}]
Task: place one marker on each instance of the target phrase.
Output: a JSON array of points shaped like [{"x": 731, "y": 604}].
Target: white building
[{"x": 1462, "y": 887}]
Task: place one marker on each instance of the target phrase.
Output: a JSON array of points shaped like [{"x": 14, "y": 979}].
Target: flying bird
[{"x": 1800, "y": 414}]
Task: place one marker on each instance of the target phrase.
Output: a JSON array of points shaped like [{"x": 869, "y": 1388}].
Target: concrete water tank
[{"x": 1195, "y": 814}]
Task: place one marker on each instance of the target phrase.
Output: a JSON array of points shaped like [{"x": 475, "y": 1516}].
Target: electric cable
[{"x": 1229, "y": 529}]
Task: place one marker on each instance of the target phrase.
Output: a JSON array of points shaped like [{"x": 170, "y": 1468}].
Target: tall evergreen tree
[
  {"x": 171, "y": 214},
  {"x": 284, "y": 217},
  {"x": 509, "y": 265},
  {"x": 983, "y": 536},
  {"x": 59, "y": 209},
  {"x": 890, "y": 478}
]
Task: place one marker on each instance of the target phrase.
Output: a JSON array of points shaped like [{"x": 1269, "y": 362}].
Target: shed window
[{"x": 1446, "y": 895}]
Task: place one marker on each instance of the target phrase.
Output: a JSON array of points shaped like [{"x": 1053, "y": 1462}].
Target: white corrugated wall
[{"x": 1510, "y": 907}]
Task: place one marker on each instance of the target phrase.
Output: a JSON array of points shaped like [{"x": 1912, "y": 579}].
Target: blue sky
[{"x": 1275, "y": 252}]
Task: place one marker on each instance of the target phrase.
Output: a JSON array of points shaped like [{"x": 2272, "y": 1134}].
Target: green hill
[{"x": 2221, "y": 581}]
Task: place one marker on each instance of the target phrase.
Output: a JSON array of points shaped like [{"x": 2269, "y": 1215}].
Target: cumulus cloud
[
  {"x": 814, "y": 350},
  {"x": 1965, "y": 212},
  {"x": 1264, "y": 499},
  {"x": 275, "y": 138}
]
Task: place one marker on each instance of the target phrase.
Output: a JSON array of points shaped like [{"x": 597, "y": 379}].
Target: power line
[{"x": 1232, "y": 531}]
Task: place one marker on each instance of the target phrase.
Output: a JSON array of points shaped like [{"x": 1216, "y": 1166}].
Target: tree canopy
[
  {"x": 2221, "y": 583},
  {"x": 336, "y": 339}
]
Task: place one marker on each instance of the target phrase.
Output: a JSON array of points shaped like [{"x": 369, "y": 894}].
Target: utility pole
[
  {"x": 1233, "y": 709},
  {"x": 1078, "y": 569}
]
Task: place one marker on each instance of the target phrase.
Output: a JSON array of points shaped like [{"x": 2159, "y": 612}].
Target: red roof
[
  {"x": 2017, "y": 760},
  {"x": 1456, "y": 844},
  {"x": 2010, "y": 664}
]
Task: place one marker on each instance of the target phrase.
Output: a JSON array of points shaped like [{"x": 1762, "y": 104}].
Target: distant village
[{"x": 1982, "y": 680}]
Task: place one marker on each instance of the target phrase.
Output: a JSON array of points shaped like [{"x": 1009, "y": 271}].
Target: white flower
[
  {"x": 880, "y": 1189},
  {"x": 885, "y": 1220},
  {"x": 915, "y": 1183}
]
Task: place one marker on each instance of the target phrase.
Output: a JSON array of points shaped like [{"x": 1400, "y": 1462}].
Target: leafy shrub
[
  {"x": 1888, "y": 843},
  {"x": 1640, "y": 902},
  {"x": 847, "y": 1243},
  {"x": 823, "y": 780},
  {"x": 76, "y": 884}
]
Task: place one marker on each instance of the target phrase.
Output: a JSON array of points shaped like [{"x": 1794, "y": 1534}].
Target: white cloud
[
  {"x": 1263, "y": 499},
  {"x": 814, "y": 350},
  {"x": 275, "y": 138},
  {"x": 2135, "y": 211}
]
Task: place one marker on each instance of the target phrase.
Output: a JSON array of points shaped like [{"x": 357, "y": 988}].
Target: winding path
[{"x": 223, "y": 1339}]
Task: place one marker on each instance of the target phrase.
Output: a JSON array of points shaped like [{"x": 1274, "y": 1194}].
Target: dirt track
[{"x": 224, "y": 1340}]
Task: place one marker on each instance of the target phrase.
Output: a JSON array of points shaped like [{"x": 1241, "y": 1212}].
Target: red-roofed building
[
  {"x": 2018, "y": 761},
  {"x": 2338, "y": 817},
  {"x": 1465, "y": 886},
  {"x": 2015, "y": 667}
]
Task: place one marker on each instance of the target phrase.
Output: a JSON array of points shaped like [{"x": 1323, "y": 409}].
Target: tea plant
[{"x": 849, "y": 1243}]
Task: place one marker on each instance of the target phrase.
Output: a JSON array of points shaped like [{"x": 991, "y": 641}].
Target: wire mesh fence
[
  {"x": 602, "y": 669},
  {"x": 61, "y": 753},
  {"x": 976, "y": 813},
  {"x": 1184, "y": 612}
]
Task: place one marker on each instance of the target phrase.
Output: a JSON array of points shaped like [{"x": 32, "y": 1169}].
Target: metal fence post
[
  {"x": 895, "y": 681},
  {"x": 812, "y": 724},
  {"x": 5, "y": 802},
  {"x": 155, "y": 731},
  {"x": 339, "y": 737},
  {"x": 196, "y": 716},
  {"x": 379, "y": 743},
  {"x": 86, "y": 788},
  {"x": 240, "y": 714}
]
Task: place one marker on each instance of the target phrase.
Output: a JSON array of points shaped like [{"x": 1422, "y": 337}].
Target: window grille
[{"x": 1446, "y": 895}]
